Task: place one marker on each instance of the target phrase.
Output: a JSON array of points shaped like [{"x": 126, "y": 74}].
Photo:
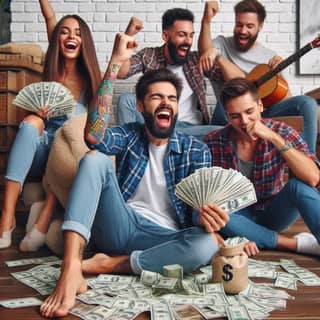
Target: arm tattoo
[{"x": 100, "y": 109}]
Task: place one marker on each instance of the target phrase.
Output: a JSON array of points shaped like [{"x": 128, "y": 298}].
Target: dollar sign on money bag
[
  {"x": 230, "y": 267},
  {"x": 227, "y": 276}
]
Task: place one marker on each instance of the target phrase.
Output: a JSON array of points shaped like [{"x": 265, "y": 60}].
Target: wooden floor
[{"x": 305, "y": 306}]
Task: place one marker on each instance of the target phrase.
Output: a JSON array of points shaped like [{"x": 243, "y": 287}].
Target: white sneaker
[
  {"x": 307, "y": 243},
  {"x": 33, "y": 240},
  {"x": 5, "y": 239}
]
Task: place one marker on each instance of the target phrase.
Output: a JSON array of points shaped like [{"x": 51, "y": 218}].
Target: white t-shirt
[
  {"x": 188, "y": 110},
  {"x": 151, "y": 198}
]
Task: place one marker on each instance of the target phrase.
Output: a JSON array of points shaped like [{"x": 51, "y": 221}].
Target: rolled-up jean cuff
[
  {"x": 76, "y": 227},
  {"x": 275, "y": 239},
  {"x": 134, "y": 262}
]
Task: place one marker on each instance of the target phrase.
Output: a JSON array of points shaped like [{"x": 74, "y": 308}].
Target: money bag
[{"x": 230, "y": 267}]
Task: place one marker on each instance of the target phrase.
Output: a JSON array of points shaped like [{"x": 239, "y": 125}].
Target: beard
[
  {"x": 250, "y": 41},
  {"x": 174, "y": 55},
  {"x": 154, "y": 129}
]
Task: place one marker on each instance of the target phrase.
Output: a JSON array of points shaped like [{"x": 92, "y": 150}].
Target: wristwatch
[{"x": 287, "y": 145}]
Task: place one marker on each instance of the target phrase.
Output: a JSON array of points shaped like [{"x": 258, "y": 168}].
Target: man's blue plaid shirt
[{"x": 184, "y": 155}]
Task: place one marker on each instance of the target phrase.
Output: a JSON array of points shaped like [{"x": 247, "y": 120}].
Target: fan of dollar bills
[
  {"x": 53, "y": 94},
  {"x": 227, "y": 188}
]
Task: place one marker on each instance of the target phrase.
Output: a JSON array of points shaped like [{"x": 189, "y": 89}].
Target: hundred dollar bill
[
  {"x": 115, "y": 278},
  {"x": 161, "y": 311},
  {"x": 81, "y": 309},
  {"x": 20, "y": 302},
  {"x": 235, "y": 203},
  {"x": 165, "y": 283},
  {"x": 287, "y": 283},
  {"x": 148, "y": 278},
  {"x": 99, "y": 313},
  {"x": 238, "y": 313},
  {"x": 212, "y": 288},
  {"x": 24, "y": 262}
]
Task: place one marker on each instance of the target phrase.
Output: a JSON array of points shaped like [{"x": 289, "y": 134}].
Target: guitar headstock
[{"x": 316, "y": 42}]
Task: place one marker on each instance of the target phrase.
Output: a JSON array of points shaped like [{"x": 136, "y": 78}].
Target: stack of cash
[
  {"x": 184, "y": 296},
  {"x": 53, "y": 94},
  {"x": 227, "y": 188}
]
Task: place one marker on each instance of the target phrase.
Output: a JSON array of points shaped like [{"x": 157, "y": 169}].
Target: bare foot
[
  {"x": 62, "y": 299},
  {"x": 102, "y": 263}
]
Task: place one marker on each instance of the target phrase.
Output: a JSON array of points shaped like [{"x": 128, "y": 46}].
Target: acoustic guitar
[{"x": 272, "y": 88}]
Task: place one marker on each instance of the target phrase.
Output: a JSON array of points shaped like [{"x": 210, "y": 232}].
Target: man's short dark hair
[
  {"x": 153, "y": 76},
  {"x": 172, "y": 15},
  {"x": 251, "y": 6},
  {"x": 237, "y": 87}
]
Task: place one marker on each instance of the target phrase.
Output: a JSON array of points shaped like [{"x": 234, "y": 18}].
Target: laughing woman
[{"x": 70, "y": 60}]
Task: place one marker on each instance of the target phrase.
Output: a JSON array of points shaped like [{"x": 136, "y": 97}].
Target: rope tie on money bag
[{"x": 230, "y": 266}]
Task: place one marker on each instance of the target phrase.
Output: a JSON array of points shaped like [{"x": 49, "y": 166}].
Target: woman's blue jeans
[
  {"x": 263, "y": 227},
  {"x": 304, "y": 106},
  {"x": 96, "y": 207},
  {"x": 127, "y": 112},
  {"x": 28, "y": 154}
]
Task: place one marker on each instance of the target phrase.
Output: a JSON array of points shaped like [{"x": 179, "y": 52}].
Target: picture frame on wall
[{"x": 308, "y": 17}]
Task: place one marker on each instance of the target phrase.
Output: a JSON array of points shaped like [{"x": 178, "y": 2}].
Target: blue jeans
[
  {"x": 263, "y": 227},
  {"x": 127, "y": 112},
  {"x": 304, "y": 106},
  {"x": 96, "y": 207},
  {"x": 29, "y": 151},
  {"x": 28, "y": 154}
]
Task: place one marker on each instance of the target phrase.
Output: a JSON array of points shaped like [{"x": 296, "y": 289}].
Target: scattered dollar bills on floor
[
  {"x": 173, "y": 294},
  {"x": 46, "y": 93},
  {"x": 227, "y": 188}
]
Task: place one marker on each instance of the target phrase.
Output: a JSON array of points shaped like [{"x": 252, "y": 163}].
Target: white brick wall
[{"x": 106, "y": 17}]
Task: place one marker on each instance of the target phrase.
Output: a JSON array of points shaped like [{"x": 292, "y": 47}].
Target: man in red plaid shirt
[{"x": 261, "y": 149}]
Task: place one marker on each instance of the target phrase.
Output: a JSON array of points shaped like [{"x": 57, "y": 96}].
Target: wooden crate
[
  {"x": 11, "y": 82},
  {"x": 7, "y": 136},
  {"x": 20, "y": 61},
  {"x": 9, "y": 113},
  {"x": 3, "y": 162},
  {"x": 8, "y": 80},
  {"x": 14, "y": 80}
]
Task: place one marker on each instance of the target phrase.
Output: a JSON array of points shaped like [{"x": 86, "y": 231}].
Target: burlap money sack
[{"x": 230, "y": 266}]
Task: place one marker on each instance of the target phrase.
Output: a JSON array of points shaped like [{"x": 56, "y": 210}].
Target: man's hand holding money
[{"x": 212, "y": 218}]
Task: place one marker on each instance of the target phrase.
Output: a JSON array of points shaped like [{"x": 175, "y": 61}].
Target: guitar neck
[{"x": 283, "y": 64}]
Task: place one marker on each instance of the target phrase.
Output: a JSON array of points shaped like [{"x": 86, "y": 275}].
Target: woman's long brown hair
[{"x": 87, "y": 62}]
